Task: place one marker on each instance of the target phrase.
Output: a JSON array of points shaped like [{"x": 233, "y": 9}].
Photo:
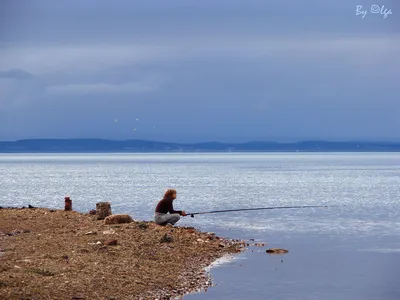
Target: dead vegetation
[{"x": 54, "y": 254}]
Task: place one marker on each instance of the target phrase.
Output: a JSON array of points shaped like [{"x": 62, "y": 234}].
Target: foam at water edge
[{"x": 228, "y": 258}]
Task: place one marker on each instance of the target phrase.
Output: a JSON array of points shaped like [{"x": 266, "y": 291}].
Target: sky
[{"x": 194, "y": 71}]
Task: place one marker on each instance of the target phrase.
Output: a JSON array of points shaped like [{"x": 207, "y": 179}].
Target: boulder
[{"x": 118, "y": 219}]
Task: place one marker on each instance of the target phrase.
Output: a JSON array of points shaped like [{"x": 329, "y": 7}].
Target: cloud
[
  {"x": 102, "y": 88},
  {"x": 124, "y": 69},
  {"x": 306, "y": 66},
  {"x": 99, "y": 57},
  {"x": 16, "y": 93},
  {"x": 16, "y": 74}
]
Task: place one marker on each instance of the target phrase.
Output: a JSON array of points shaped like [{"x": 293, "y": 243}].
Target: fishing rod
[{"x": 257, "y": 208}]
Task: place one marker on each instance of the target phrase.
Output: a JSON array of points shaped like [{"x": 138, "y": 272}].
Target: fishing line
[{"x": 257, "y": 208}]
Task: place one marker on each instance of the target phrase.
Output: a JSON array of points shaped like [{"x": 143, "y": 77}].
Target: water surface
[{"x": 347, "y": 251}]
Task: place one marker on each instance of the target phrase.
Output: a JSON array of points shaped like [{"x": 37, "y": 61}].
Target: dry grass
[{"x": 48, "y": 254}]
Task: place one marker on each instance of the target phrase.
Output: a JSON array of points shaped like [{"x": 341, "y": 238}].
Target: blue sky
[{"x": 189, "y": 71}]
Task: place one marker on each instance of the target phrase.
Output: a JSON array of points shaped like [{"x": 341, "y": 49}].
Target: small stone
[
  {"x": 111, "y": 242},
  {"x": 143, "y": 226},
  {"x": 24, "y": 260},
  {"x": 90, "y": 233},
  {"x": 109, "y": 231},
  {"x": 166, "y": 239},
  {"x": 277, "y": 251}
]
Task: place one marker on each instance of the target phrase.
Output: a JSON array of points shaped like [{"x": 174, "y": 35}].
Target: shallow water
[{"x": 347, "y": 251}]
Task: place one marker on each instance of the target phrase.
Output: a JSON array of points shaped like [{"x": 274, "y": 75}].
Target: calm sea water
[{"x": 350, "y": 250}]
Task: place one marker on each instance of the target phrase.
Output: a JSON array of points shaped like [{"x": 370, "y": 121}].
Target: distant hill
[{"x": 101, "y": 146}]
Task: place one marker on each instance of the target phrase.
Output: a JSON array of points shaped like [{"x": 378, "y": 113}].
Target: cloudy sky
[{"x": 187, "y": 71}]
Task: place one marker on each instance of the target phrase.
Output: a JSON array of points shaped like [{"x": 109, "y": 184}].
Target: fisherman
[{"x": 164, "y": 206}]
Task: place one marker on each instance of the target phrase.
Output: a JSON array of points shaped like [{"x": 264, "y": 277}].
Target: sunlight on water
[{"x": 362, "y": 188}]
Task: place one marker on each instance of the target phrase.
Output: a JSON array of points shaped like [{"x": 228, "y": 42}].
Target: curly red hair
[{"x": 169, "y": 193}]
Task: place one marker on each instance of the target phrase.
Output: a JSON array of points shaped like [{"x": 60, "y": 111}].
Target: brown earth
[{"x": 54, "y": 254}]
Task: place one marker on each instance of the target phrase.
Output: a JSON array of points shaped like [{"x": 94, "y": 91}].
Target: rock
[
  {"x": 90, "y": 233},
  {"x": 92, "y": 212},
  {"x": 277, "y": 251},
  {"x": 111, "y": 242},
  {"x": 221, "y": 245},
  {"x": 200, "y": 240},
  {"x": 143, "y": 225},
  {"x": 24, "y": 260},
  {"x": 97, "y": 243},
  {"x": 166, "y": 239},
  {"x": 118, "y": 219},
  {"x": 16, "y": 231},
  {"x": 109, "y": 231}
]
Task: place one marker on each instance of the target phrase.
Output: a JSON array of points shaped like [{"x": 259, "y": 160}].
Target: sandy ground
[{"x": 54, "y": 254}]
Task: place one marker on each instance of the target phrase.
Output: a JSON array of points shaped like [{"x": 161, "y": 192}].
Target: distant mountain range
[{"x": 102, "y": 145}]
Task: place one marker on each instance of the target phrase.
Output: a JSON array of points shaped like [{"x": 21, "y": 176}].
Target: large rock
[{"x": 118, "y": 219}]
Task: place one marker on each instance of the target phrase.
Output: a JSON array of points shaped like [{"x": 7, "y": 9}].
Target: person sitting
[{"x": 164, "y": 207}]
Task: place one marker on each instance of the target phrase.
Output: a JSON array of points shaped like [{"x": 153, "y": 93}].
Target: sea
[{"x": 349, "y": 250}]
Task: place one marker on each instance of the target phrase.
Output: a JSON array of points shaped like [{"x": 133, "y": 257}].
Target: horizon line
[{"x": 204, "y": 142}]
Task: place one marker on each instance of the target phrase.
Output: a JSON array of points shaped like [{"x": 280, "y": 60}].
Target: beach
[{"x": 57, "y": 254}]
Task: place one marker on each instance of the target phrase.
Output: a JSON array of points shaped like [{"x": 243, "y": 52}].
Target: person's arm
[{"x": 171, "y": 209}]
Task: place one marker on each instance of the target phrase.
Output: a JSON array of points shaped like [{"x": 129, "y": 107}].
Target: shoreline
[{"x": 55, "y": 254}]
